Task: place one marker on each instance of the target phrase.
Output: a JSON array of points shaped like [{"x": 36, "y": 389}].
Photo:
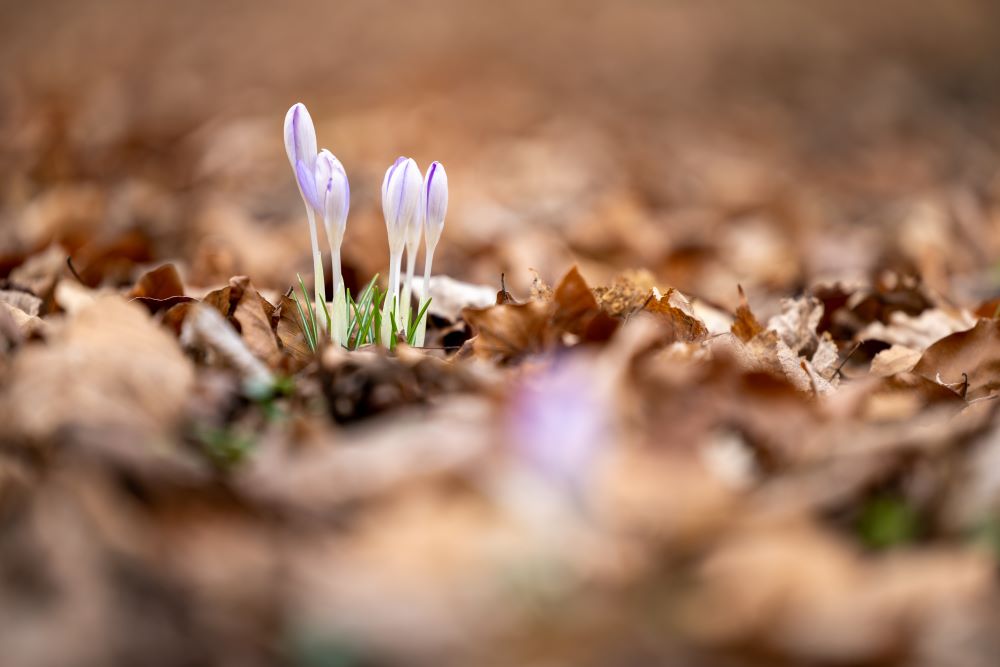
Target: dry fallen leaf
[
  {"x": 896, "y": 359},
  {"x": 110, "y": 368},
  {"x": 969, "y": 357},
  {"x": 675, "y": 315}
]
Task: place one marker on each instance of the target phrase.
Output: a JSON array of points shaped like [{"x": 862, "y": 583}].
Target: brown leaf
[
  {"x": 161, "y": 283},
  {"x": 745, "y": 326},
  {"x": 290, "y": 334},
  {"x": 577, "y": 311},
  {"x": 253, "y": 314},
  {"x": 160, "y": 289},
  {"x": 679, "y": 325},
  {"x": 896, "y": 359},
  {"x": 972, "y": 354},
  {"x": 507, "y": 333},
  {"x": 797, "y": 323},
  {"x": 111, "y": 368},
  {"x": 627, "y": 294}
]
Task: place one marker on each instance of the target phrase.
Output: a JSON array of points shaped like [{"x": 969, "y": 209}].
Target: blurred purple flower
[{"x": 558, "y": 422}]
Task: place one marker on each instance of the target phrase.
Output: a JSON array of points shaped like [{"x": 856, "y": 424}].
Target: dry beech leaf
[
  {"x": 160, "y": 289},
  {"x": 896, "y": 359},
  {"x": 577, "y": 311},
  {"x": 797, "y": 323},
  {"x": 675, "y": 316},
  {"x": 745, "y": 326},
  {"x": 253, "y": 314},
  {"x": 162, "y": 282},
  {"x": 110, "y": 368},
  {"x": 509, "y": 332},
  {"x": 627, "y": 294},
  {"x": 512, "y": 331},
  {"x": 290, "y": 334},
  {"x": 917, "y": 332},
  {"x": 968, "y": 357}
]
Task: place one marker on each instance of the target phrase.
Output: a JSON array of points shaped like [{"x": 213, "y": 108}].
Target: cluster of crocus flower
[{"x": 414, "y": 206}]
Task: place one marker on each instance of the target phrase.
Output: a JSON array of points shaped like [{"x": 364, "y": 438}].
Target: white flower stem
[
  {"x": 404, "y": 303},
  {"x": 392, "y": 289},
  {"x": 338, "y": 328},
  {"x": 318, "y": 279},
  {"x": 422, "y": 325}
]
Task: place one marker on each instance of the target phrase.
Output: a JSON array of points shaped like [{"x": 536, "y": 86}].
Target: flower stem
[
  {"x": 338, "y": 328},
  {"x": 318, "y": 279},
  {"x": 392, "y": 289},
  {"x": 404, "y": 303},
  {"x": 422, "y": 325}
]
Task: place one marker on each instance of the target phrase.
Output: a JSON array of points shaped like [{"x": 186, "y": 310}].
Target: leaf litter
[{"x": 775, "y": 444}]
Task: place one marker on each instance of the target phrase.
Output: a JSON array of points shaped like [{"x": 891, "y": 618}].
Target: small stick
[{"x": 72, "y": 269}]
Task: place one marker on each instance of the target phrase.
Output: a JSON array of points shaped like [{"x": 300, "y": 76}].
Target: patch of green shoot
[
  {"x": 224, "y": 445},
  {"x": 887, "y": 521},
  {"x": 364, "y": 318}
]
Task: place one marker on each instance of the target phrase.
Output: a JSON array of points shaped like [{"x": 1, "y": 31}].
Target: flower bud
[
  {"x": 434, "y": 202},
  {"x": 400, "y": 199},
  {"x": 334, "y": 192},
  {"x": 300, "y": 145}
]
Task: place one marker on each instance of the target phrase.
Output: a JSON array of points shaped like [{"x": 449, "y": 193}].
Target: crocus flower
[
  {"x": 300, "y": 144},
  {"x": 434, "y": 206},
  {"x": 334, "y": 192},
  {"x": 400, "y": 201},
  {"x": 558, "y": 422},
  {"x": 413, "y": 235}
]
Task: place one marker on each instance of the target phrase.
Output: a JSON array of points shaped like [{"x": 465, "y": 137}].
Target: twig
[{"x": 72, "y": 269}]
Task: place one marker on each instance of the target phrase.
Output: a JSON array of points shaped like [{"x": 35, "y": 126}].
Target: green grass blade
[
  {"x": 309, "y": 310},
  {"x": 414, "y": 324},
  {"x": 304, "y": 323}
]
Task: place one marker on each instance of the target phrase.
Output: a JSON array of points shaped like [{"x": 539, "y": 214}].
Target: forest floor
[{"x": 712, "y": 365}]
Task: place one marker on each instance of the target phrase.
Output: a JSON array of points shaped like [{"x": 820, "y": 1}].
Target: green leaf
[
  {"x": 411, "y": 334},
  {"x": 304, "y": 323}
]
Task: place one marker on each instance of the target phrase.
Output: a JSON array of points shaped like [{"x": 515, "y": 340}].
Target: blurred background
[{"x": 712, "y": 142}]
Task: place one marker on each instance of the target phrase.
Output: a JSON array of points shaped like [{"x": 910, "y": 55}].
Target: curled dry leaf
[
  {"x": 511, "y": 331},
  {"x": 577, "y": 311},
  {"x": 251, "y": 314},
  {"x": 674, "y": 312},
  {"x": 970, "y": 358},
  {"x": 745, "y": 326},
  {"x": 160, "y": 289}
]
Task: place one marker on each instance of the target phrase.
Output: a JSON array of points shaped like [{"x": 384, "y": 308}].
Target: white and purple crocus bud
[
  {"x": 400, "y": 201},
  {"x": 334, "y": 197},
  {"x": 300, "y": 145},
  {"x": 434, "y": 207}
]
